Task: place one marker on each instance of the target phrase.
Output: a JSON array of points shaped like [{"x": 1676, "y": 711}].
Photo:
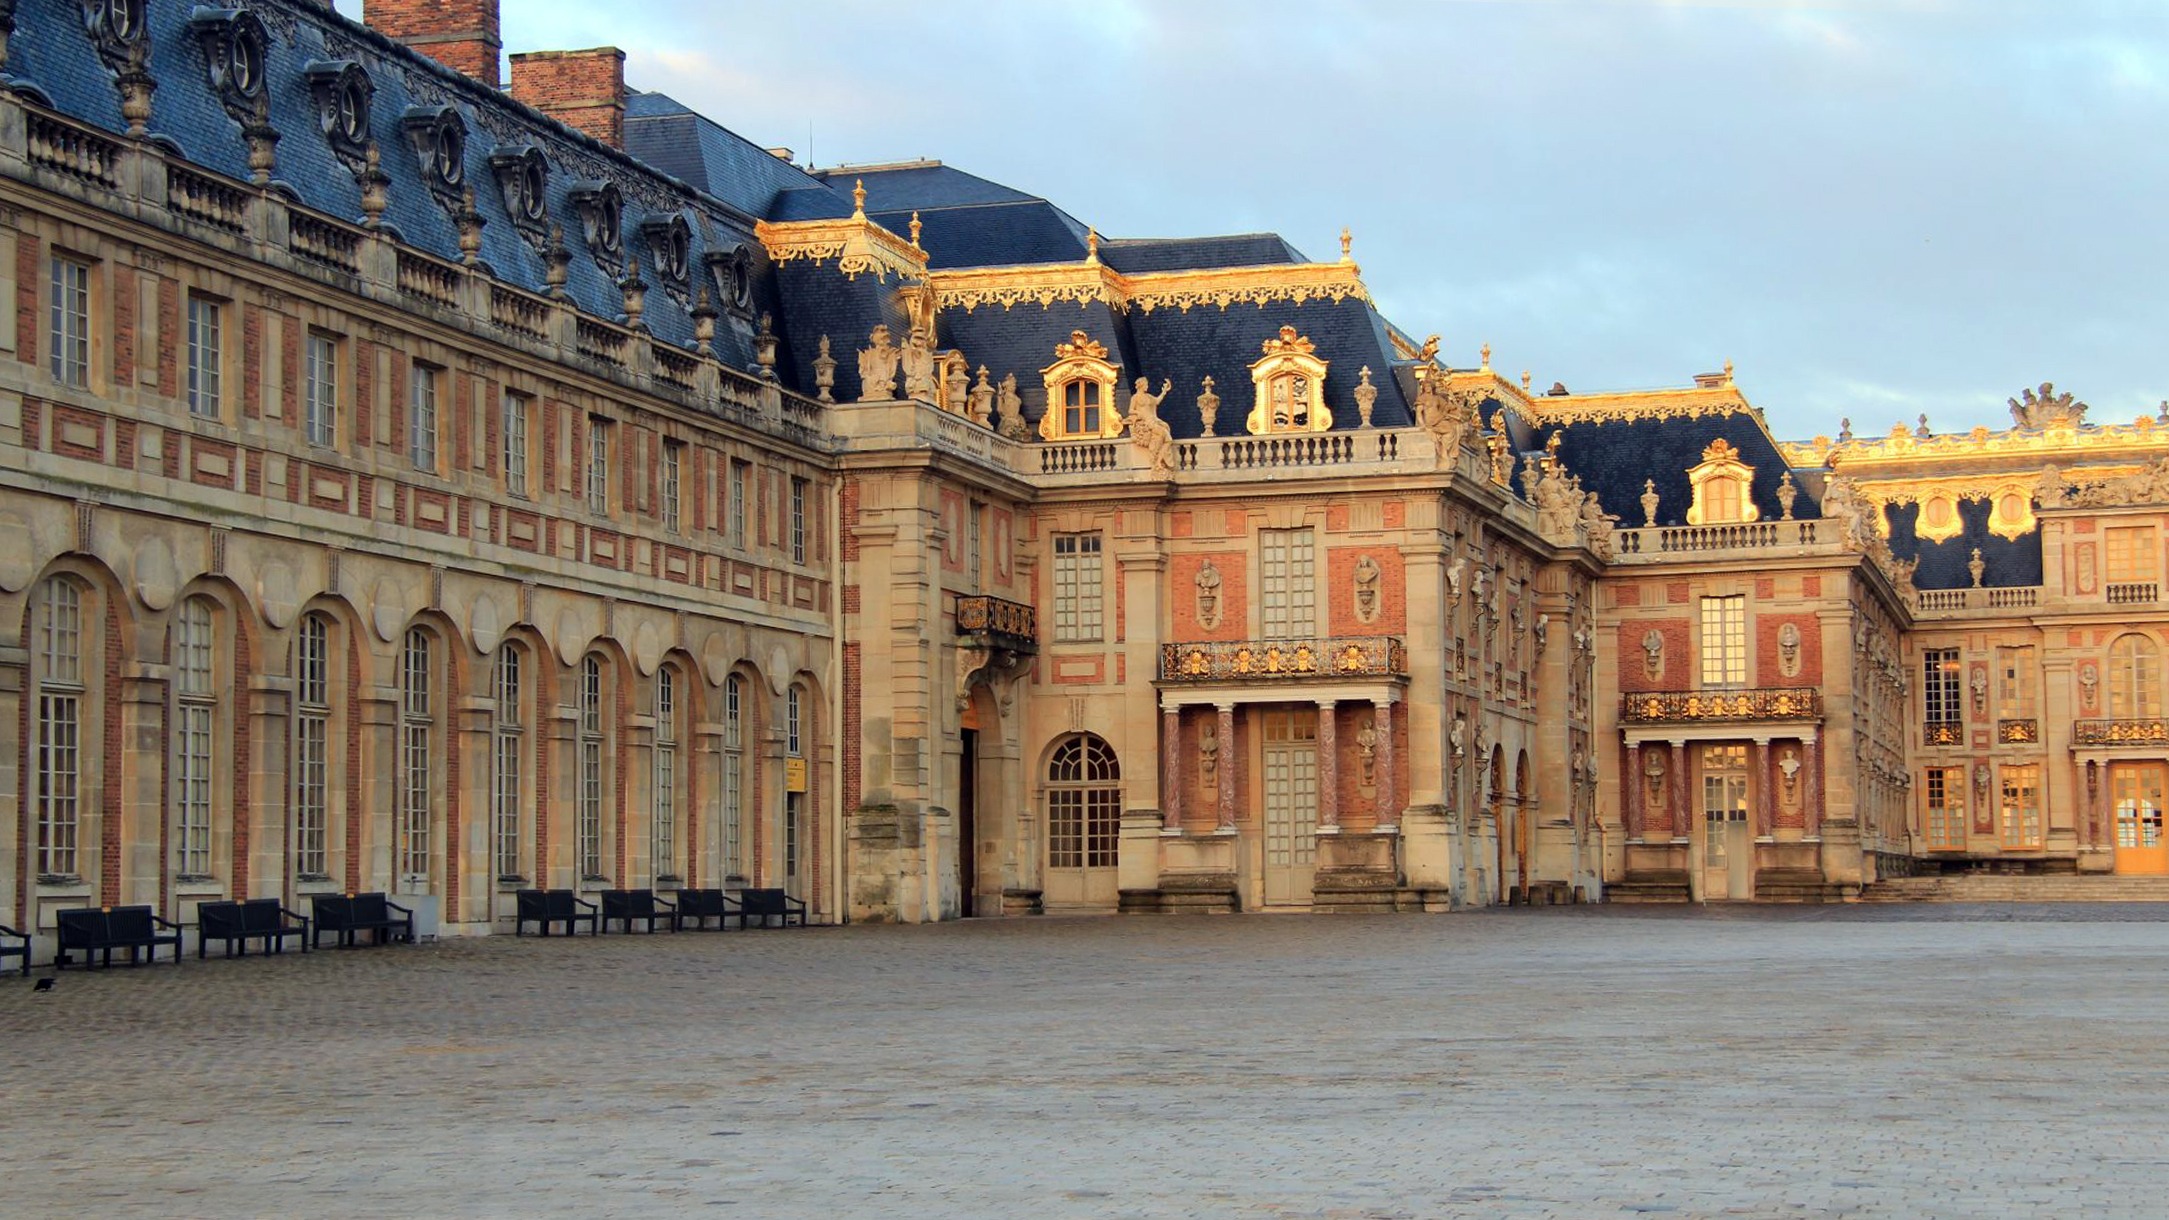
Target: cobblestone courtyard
[{"x": 1884, "y": 1061}]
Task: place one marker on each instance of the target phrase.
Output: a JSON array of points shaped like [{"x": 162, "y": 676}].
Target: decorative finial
[
  {"x": 1922, "y": 431},
  {"x": 1487, "y": 357},
  {"x": 1348, "y": 242},
  {"x": 858, "y": 200},
  {"x": 1728, "y": 372},
  {"x": 1845, "y": 430},
  {"x": 1092, "y": 245},
  {"x": 2163, "y": 414},
  {"x": 1525, "y": 378},
  {"x": 915, "y": 227}
]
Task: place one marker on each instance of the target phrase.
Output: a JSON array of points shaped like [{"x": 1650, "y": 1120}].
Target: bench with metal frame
[
  {"x": 765, "y": 905},
  {"x": 96, "y": 933},
  {"x": 349, "y": 915},
  {"x": 7, "y": 950},
  {"x": 699, "y": 906},
  {"x": 625, "y": 906},
  {"x": 238, "y": 923},
  {"x": 545, "y": 907}
]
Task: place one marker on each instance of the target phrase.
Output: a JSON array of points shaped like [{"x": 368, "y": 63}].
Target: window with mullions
[
  {"x": 57, "y": 637},
  {"x": 673, "y": 480},
  {"x": 598, "y": 465},
  {"x": 2015, "y": 670},
  {"x": 734, "y": 774},
  {"x": 417, "y": 759},
  {"x": 1945, "y": 796},
  {"x": 1724, "y": 642},
  {"x": 1288, "y": 596},
  {"x": 1077, "y": 587},
  {"x": 206, "y": 350},
  {"x": 2134, "y": 678},
  {"x": 2022, "y": 807},
  {"x": 422, "y": 418},
  {"x": 1941, "y": 681},
  {"x": 1084, "y": 804},
  {"x": 588, "y": 784},
  {"x": 663, "y": 810},
  {"x": 798, "y": 520},
  {"x": 320, "y": 392},
  {"x": 1081, "y": 408},
  {"x": 69, "y": 321},
  {"x": 507, "y": 759},
  {"x": 312, "y": 748},
  {"x": 195, "y": 688},
  {"x": 737, "y": 494},
  {"x": 515, "y": 435}
]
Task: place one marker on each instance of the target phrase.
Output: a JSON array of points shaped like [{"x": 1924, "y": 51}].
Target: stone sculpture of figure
[
  {"x": 1445, "y": 414},
  {"x": 1789, "y": 764},
  {"x": 1429, "y": 352},
  {"x": 1460, "y": 736},
  {"x": 1840, "y": 504},
  {"x": 980, "y": 402},
  {"x": 1501, "y": 461},
  {"x": 1788, "y": 649},
  {"x": 1368, "y": 576},
  {"x": 1653, "y": 773},
  {"x": 1208, "y": 405},
  {"x": 877, "y": 367},
  {"x": 1208, "y": 756},
  {"x": 1598, "y": 525},
  {"x": 1367, "y": 749},
  {"x": 1977, "y": 567},
  {"x": 1009, "y": 411},
  {"x": 1147, "y": 432},
  {"x": 1653, "y": 651},
  {"x": 1456, "y": 572},
  {"x": 919, "y": 369},
  {"x": 1208, "y": 596}
]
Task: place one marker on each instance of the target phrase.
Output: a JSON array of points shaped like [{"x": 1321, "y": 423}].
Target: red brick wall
[
  {"x": 27, "y": 281},
  {"x": 1234, "y": 596},
  {"x": 463, "y": 35},
  {"x": 1633, "y": 661},
  {"x": 584, "y": 90},
  {"x": 1768, "y": 671},
  {"x": 124, "y": 326},
  {"x": 1341, "y": 592}
]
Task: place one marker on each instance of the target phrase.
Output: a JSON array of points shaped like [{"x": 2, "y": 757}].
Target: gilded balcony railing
[
  {"x": 2018, "y": 732},
  {"x": 1796, "y": 703},
  {"x": 1281, "y": 660},
  {"x": 1012, "y": 624},
  {"x": 2120, "y": 733}
]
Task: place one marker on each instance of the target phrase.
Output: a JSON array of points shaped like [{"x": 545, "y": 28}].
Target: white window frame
[
  {"x": 68, "y": 321},
  {"x": 734, "y": 763},
  {"x": 663, "y": 790},
  {"x": 1723, "y": 656},
  {"x": 1288, "y": 588},
  {"x": 1079, "y": 582},
  {"x": 422, "y": 416},
  {"x": 588, "y": 781},
  {"x": 206, "y": 356},
  {"x": 195, "y": 688},
  {"x": 514, "y": 428},
  {"x": 1084, "y": 804},
  {"x": 508, "y": 761},
  {"x": 61, "y": 694},
  {"x": 417, "y": 758},
  {"x": 598, "y": 465},
  {"x": 320, "y": 391},
  {"x": 673, "y": 484},
  {"x": 312, "y": 748},
  {"x": 798, "y": 519},
  {"x": 736, "y": 496}
]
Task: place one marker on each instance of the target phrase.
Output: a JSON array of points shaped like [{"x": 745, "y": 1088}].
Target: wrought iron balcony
[
  {"x": 2018, "y": 732},
  {"x": 2120, "y": 733},
  {"x": 1379, "y": 656},
  {"x": 1943, "y": 732},
  {"x": 1003, "y": 624},
  {"x": 1780, "y": 703}
]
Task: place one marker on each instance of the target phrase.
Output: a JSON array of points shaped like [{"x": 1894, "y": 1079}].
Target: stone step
[{"x": 1994, "y": 888}]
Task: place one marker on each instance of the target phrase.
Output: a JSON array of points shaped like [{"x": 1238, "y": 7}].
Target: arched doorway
[{"x": 1084, "y": 822}]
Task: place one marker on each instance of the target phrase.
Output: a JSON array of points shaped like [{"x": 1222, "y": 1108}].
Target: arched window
[
  {"x": 57, "y": 637},
  {"x": 588, "y": 784},
  {"x": 663, "y": 793},
  {"x": 195, "y": 690},
  {"x": 1080, "y": 392},
  {"x": 1084, "y": 803},
  {"x": 2134, "y": 679},
  {"x": 508, "y": 749},
  {"x": 417, "y": 758},
  {"x": 734, "y": 775},
  {"x": 1720, "y": 485},
  {"x": 313, "y": 670},
  {"x": 1289, "y": 380},
  {"x": 1081, "y": 407}
]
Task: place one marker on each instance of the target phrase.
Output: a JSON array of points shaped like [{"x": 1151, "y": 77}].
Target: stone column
[
  {"x": 1171, "y": 768},
  {"x": 1329, "y": 768},
  {"x": 1811, "y": 797},
  {"x": 1681, "y": 825},
  {"x": 1382, "y": 721},
  {"x": 1227, "y": 766},
  {"x": 1765, "y": 794},
  {"x": 1637, "y": 786}
]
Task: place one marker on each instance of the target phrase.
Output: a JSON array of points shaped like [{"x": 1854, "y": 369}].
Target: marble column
[
  {"x": 1227, "y": 766},
  {"x": 1171, "y": 768},
  {"x": 1765, "y": 790},
  {"x": 1681, "y": 825},
  {"x": 1637, "y": 785},
  {"x": 1329, "y": 768},
  {"x": 1382, "y": 721},
  {"x": 1812, "y": 796}
]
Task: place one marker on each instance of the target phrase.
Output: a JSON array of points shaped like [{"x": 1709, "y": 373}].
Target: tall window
[
  {"x": 734, "y": 774},
  {"x": 588, "y": 792},
  {"x": 798, "y": 520},
  {"x": 2134, "y": 678},
  {"x": 973, "y": 512},
  {"x": 70, "y": 321},
  {"x": 422, "y": 417},
  {"x": 1084, "y": 804},
  {"x": 794, "y": 799},
  {"x": 417, "y": 741},
  {"x": 1721, "y": 500},
  {"x": 1290, "y": 397},
  {"x": 1941, "y": 678},
  {"x": 737, "y": 494},
  {"x": 2014, "y": 683},
  {"x": 673, "y": 476},
  {"x": 320, "y": 392},
  {"x": 663, "y": 819},
  {"x": 58, "y": 639},
  {"x": 794, "y": 745},
  {"x": 509, "y": 749},
  {"x": 1289, "y": 596},
  {"x": 515, "y": 434},
  {"x": 2130, "y": 553},
  {"x": 312, "y": 747},
  {"x": 1081, "y": 408},
  {"x": 1076, "y": 586},
  {"x": 195, "y": 690},
  {"x": 206, "y": 345},
  {"x": 1945, "y": 791},
  {"x": 2022, "y": 807},
  {"x": 598, "y": 465},
  {"x": 1724, "y": 642}
]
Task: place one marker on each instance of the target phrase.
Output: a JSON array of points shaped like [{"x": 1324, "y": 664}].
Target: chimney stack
[
  {"x": 460, "y": 34},
  {"x": 584, "y": 90}
]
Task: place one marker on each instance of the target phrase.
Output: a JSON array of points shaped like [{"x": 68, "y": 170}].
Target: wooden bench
[
  {"x": 765, "y": 905},
  {"x": 545, "y": 907},
  {"x": 700, "y": 906},
  {"x": 97, "y": 933},
  {"x": 625, "y": 906},
  {"x": 7, "y": 950},
  {"x": 352, "y": 914},
  {"x": 238, "y": 923}
]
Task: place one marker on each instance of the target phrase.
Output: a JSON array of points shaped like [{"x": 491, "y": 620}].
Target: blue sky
[{"x": 1875, "y": 209}]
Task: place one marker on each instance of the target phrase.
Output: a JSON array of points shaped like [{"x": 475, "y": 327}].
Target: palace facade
[{"x": 416, "y": 483}]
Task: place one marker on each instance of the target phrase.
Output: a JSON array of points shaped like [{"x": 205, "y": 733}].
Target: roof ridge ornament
[{"x": 2048, "y": 409}]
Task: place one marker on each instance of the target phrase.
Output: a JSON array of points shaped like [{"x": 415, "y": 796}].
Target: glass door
[
  {"x": 2137, "y": 790},
  {"x": 1290, "y": 772}
]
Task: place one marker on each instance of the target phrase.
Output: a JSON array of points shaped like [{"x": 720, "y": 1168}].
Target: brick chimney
[
  {"x": 460, "y": 34},
  {"x": 584, "y": 90}
]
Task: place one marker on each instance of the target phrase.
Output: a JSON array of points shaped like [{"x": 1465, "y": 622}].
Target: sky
[{"x": 1874, "y": 208}]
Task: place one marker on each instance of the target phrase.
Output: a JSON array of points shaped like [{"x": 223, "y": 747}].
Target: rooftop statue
[{"x": 2047, "y": 409}]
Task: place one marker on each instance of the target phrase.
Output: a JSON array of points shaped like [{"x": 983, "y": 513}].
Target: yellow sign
[{"x": 794, "y": 775}]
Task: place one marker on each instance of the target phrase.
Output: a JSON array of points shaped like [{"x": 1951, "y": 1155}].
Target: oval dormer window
[
  {"x": 534, "y": 189},
  {"x": 245, "y": 57},
  {"x": 124, "y": 20},
  {"x": 350, "y": 115}
]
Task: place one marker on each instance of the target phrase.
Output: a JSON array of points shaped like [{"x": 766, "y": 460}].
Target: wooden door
[
  {"x": 2136, "y": 789},
  {"x": 1290, "y": 774}
]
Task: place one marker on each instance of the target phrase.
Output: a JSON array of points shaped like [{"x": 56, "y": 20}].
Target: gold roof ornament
[
  {"x": 858, "y": 199},
  {"x": 1289, "y": 342},
  {"x": 1485, "y": 351},
  {"x": 1080, "y": 344},
  {"x": 1092, "y": 245},
  {"x": 916, "y": 227},
  {"x": 1348, "y": 242}
]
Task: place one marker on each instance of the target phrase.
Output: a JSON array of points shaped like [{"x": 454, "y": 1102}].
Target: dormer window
[
  {"x": 1080, "y": 392},
  {"x": 343, "y": 97},
  {"x": 523, "y": 181},
  {"x": 439, "y": 137},
  {"x": 1290, "y": 382},
  {"x": 120, "y": 29},
  {"x": 235, "y": 49},
  {"x": 602, "y": 222},
  {"x": 670, "y": 249},
  {"x": 1722, "y": 487},
  {"x": 732, "y": 271}
]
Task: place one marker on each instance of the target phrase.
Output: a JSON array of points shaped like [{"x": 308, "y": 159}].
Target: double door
[
  {"x": 1289, "y": 771},
  {"x": 2136, "y": 793},
  {"x": 1727, "y": 857}
]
